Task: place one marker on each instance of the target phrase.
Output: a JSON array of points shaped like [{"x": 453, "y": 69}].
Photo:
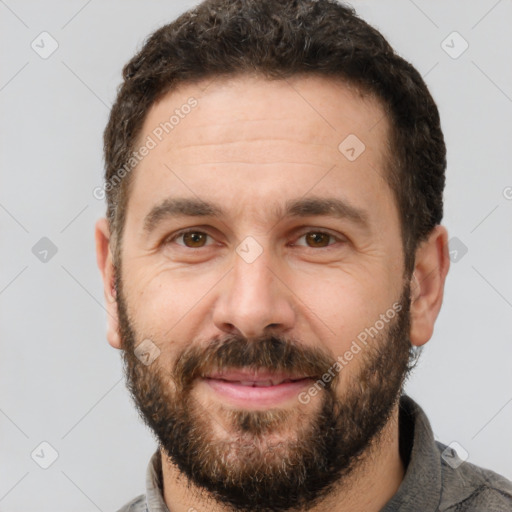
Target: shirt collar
[
  {"x": 154, "y": 497},
  {"x": 421, "y": 486}
]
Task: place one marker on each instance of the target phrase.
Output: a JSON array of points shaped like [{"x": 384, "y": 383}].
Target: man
[{"x": 273, "y": 260}]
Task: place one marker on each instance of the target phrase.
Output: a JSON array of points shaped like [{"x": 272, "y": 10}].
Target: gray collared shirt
[{"x": 436, "y": 479}]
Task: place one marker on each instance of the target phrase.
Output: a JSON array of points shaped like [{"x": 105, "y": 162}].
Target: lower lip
[{"x": 263, "y": 396}]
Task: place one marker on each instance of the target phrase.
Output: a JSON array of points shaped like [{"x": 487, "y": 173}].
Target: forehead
[
  {"x": 220, "y": 136},
  {"x": 327, "y": 107}
]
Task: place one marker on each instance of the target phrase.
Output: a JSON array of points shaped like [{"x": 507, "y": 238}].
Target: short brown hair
[{"x": 279, "y": 39}]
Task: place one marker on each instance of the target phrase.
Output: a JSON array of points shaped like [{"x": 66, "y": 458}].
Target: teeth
[{"x": 260, "y": 383}]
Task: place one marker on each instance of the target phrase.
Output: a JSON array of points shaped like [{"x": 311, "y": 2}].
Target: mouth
[{"x": 253, "y": 389}]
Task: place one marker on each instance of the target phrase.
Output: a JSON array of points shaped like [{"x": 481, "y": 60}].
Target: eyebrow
[{"x": 303, "y": 207}]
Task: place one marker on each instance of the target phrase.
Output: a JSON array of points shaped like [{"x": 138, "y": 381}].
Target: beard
[{"x": 277, "y": 459}]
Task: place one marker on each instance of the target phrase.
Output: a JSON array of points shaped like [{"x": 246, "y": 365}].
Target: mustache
[{"x": 268, "y": 353}]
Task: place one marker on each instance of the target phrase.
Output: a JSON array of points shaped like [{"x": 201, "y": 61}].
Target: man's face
[{"x": 267, "y": 290}]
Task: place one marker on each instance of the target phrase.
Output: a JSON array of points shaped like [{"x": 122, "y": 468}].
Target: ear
[
  {"x": 427, "y": 284},
  {"x": 106, "y": 266}
]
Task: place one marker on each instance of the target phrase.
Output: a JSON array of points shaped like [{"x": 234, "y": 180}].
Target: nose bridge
[
  {"x": 253, "y": 297},
  {"x": 253, "y": 281}
]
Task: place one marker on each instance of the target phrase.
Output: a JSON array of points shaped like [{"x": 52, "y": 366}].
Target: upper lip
[{"x": 253, "y": 376}]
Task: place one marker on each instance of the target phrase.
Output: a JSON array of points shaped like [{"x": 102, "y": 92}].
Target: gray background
[{"x": 60, "y": 381}]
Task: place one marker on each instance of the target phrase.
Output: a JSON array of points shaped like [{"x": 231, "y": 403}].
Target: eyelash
[{"x": 191, "y": 230}]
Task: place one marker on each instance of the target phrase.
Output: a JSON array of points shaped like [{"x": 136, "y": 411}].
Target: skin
[{"x": 249, "y": 146}]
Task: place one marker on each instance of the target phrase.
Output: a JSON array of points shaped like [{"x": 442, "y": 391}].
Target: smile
[{"x": 251, "y": 389}]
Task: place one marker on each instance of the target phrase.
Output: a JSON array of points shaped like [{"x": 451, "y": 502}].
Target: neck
[{"x": 368, "y": 488}]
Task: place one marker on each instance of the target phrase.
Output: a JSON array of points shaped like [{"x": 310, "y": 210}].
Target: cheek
[
  {"x": 342, "y": 309},
  {"x": 340, "y": 299},
  {"x": 166, "y": 305}
]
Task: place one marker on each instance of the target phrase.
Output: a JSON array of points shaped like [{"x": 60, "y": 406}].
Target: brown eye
[
  {"x": 194, "y": 239},
  {"x": 319, "y": 239}
]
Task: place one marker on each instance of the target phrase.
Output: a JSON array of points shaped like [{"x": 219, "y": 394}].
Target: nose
[{"x": 254, "y": 299}]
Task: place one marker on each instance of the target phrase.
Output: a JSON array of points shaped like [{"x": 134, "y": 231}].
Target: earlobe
[
  {"x": 106, "y": 266},
  {"x": 427, "y": 284}
]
